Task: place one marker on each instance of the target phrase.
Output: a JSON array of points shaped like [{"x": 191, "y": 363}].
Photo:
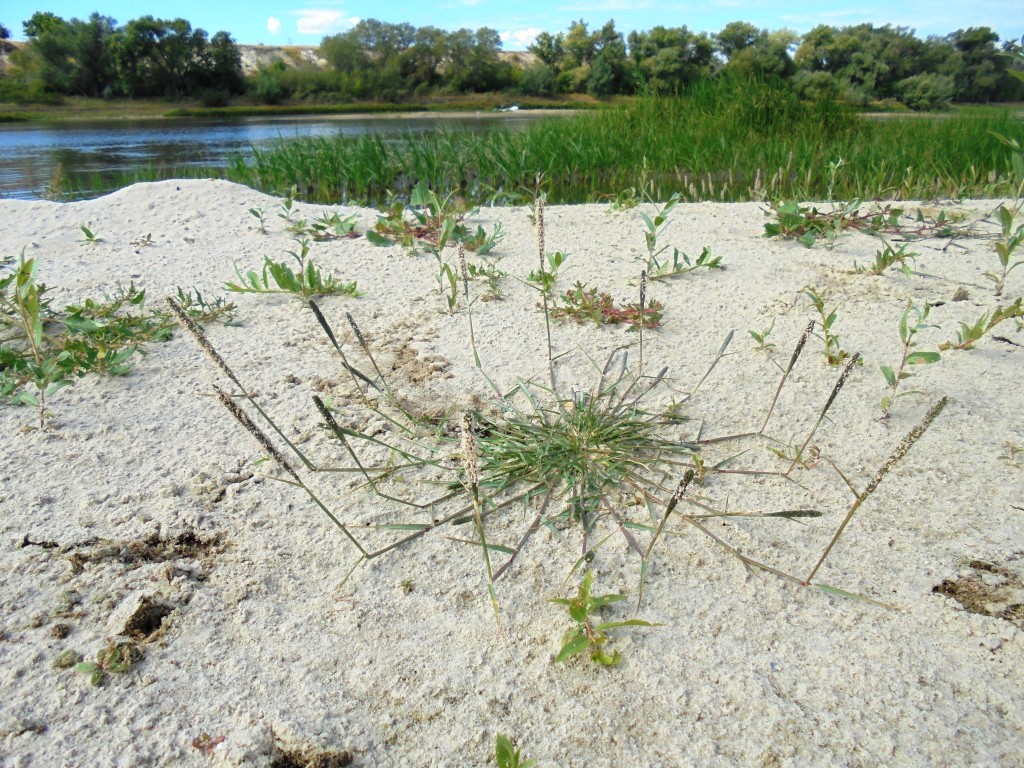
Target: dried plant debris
[
  {"x": 187, "y": 545},
  {"x": 988, "y": 589},
  {"x": 311, "y": 758}
]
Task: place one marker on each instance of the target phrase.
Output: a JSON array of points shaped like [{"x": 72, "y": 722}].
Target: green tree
[
  {"x": 671, "y": 58},
  {"x": 157, "y": 57},
  {"x": 736, "y": 36},
  {"x": 981, "y": 69},
  {"x": 548, "y": 49}
]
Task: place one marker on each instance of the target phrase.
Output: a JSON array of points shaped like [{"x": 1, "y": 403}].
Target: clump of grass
[
  {"x": 721, "y": 139},
  {"x": 305, "y": 282},
  {"x": 600, "y": 461}
]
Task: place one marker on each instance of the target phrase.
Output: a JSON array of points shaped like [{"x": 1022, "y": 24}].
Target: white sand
[{"x": 263, "y": 649}]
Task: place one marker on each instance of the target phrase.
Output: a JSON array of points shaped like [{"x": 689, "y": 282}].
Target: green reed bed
[{"x": 720, "y": 140}]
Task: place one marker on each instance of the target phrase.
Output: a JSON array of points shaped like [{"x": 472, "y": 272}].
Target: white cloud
[
  {"x": 320, "y": 22},
  {"x": 274, "y": 25},
  {"x": 519, "y": 39}
]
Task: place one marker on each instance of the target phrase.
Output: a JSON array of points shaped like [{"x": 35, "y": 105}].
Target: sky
[{"x": 307, "y": 22}]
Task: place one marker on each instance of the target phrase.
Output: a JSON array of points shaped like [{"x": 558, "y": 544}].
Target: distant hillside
[{"x": 256, "y": 57}]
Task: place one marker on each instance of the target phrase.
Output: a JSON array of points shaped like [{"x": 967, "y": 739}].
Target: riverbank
[
  {"x": 142, "y": 512},
  {"x": 76, "y": 108}
]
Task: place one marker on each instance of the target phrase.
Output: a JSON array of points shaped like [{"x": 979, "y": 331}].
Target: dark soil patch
[
  {"x": 311, "y": 758},
  {"x": 989, "y": 590}
]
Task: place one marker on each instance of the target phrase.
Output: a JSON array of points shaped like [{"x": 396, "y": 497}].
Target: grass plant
[
  {"x": 725, "y": 139},
  {"x": 608, "y": 462}
]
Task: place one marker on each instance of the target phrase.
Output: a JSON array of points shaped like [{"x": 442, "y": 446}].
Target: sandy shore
[{"x": 142, "y": 490}]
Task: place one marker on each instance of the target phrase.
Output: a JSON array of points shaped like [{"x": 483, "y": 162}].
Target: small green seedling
[
  {"x": 886, "y": 258},
  {"x": 508, "y": 756},
  {"x": 1011, "y": 451},
  {"x": 204, "y": 310},
  {"x": 833, "y": 352},
  {"x": 545, "y": 279},
  {"x": 258, "y": 214},
  {"x": 912, "y": 321},
  {"x": 116, "y": 658},
  {"x": 1008, "y": 242},
  {"x": 654, "y": 228},
  {"x": 89, "y": 237},
  {"x": 206, "y": 743},
  {"x": 586, "y": 635},
  {"x": 970, "y": 334},
  {"x": 278, "y": 277},
  {"x": 762, "y": 338},
  {"x": 447, "y": 283},
  {"x": 490, "y": 273},
  {"x": 287, "y": 203},
  {"x": 682, "y": 265}
]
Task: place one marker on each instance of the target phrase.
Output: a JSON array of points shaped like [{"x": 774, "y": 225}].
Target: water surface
[{"x": 92, "y": 154}]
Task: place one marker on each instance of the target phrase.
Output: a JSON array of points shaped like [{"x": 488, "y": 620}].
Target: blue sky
[{"x": 306, "y": 22}]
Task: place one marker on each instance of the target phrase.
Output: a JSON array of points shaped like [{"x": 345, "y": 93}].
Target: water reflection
[{"x": 85, "y": 152}]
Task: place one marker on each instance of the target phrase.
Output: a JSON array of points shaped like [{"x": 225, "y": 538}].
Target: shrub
[
  {"x": 214, "y": 97},
  {"x": 926, "y": 92}
]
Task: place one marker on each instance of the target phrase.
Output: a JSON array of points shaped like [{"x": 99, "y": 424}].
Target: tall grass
[{"x": 721, "y": 139}]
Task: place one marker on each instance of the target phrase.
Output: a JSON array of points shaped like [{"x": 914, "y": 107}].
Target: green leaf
[
  {"x": 923, "y": 358},
  {"x": 574, "y": 646},
  {"x": 375, "y": 238},
  {"x": 504, "y": 752},
  {"x": 890, "y": 375},
  {"x": 626, "y": 623},
  {"x": 603, "y": 658}
]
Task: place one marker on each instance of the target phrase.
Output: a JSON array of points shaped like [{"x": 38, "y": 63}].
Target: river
[{"x": 98, "y": 153}]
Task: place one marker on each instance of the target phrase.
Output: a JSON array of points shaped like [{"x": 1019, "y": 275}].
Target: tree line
[
  {"x": 857, "y": 64},
  {"x": 381, "y": 61},
  {"x": 144, "y": 58}
]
